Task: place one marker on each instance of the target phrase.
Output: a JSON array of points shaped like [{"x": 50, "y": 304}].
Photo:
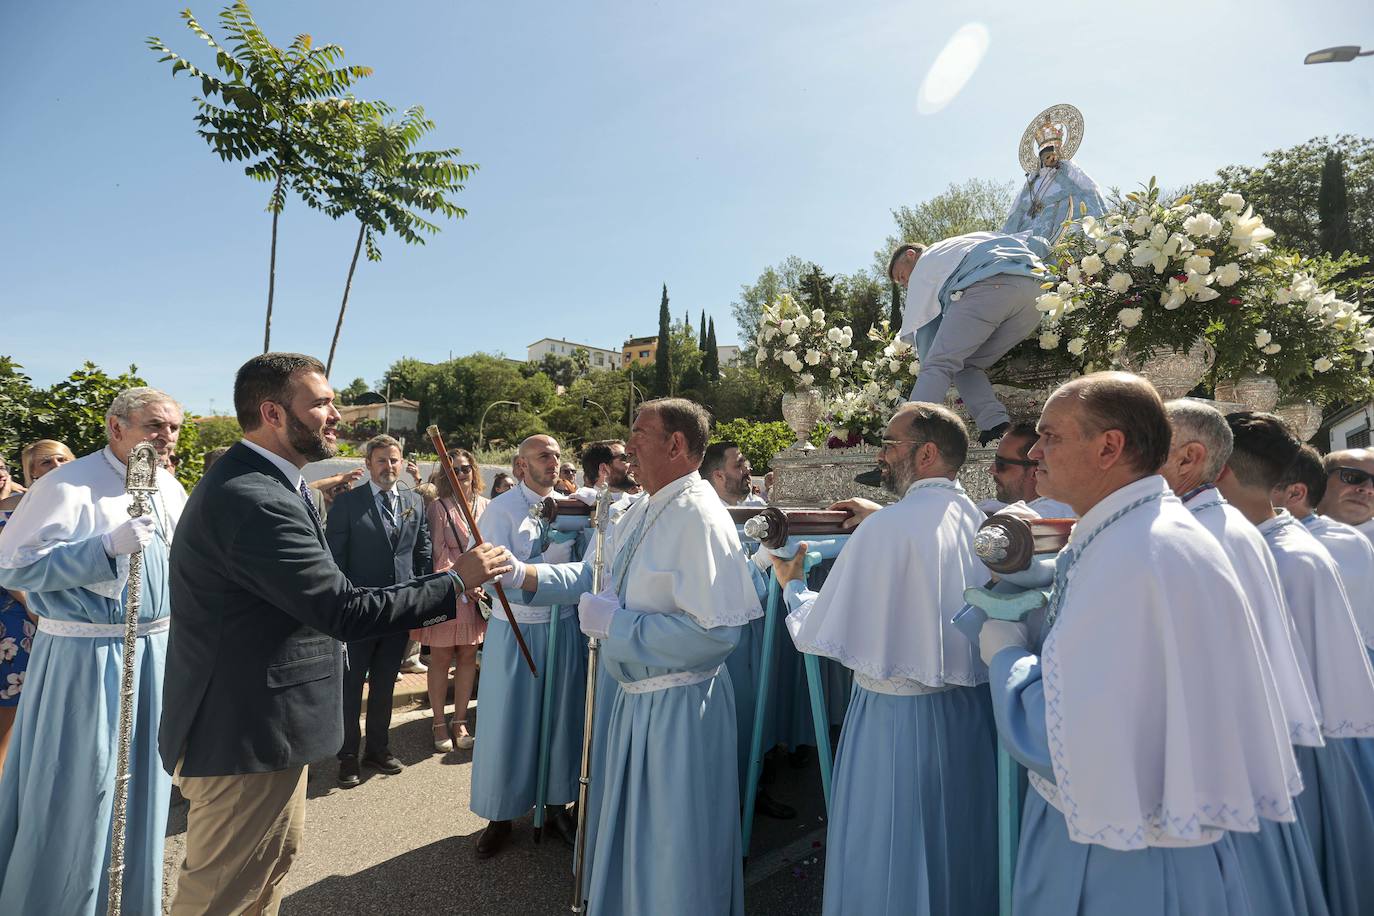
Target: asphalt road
[{"x": 404, "y": 844}]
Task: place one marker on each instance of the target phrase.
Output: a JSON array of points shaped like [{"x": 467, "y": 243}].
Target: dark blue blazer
[
  {"x": 254, "y": 678},
  {"x": 363, "y": 548}
]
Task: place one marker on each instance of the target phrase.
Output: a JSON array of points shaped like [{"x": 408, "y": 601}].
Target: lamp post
[
  {"x": 586, "y": 401},
  {"x": 1338, "y": 55},
  {"x": 481, "y": 424}
]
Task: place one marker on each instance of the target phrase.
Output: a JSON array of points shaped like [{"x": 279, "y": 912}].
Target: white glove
[
  {"x": 997, "y": 635},
  {"x": 594, "y": 613},
  {"x": 130, "y": 537},
  {"x": 763, "y": 559},
  {"x": 516, "y": 577}
]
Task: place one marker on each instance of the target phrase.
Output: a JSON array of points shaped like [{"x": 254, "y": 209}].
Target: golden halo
[{"x": 1064, "y": 114}]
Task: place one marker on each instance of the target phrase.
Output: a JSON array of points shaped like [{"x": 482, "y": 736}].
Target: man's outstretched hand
[
  {"x": 859, "y": 509},
  {"x": 482, "y": 564}
]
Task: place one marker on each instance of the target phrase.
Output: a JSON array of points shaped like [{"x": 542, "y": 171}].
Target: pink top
[{"x": 448, "y": 532}]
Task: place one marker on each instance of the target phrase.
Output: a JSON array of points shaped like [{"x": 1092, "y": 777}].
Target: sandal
[{"x": 442, "y": 742}]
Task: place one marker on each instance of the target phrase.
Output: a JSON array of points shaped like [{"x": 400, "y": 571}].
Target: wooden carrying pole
[{"x": 452, "y": 476}]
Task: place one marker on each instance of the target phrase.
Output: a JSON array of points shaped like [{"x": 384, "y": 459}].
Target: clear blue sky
[{"x": 622, "y": 146}]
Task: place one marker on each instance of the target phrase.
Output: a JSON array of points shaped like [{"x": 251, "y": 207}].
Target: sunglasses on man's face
[
  {"x": 1001, "y": 464},
  {"x": 1355, "y": 477}
]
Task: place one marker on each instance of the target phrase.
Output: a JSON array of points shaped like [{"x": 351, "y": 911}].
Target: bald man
[{"x": 505, "y": 758}]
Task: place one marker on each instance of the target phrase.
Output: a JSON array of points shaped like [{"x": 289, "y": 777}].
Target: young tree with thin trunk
[{"x": 283, "y": 111}]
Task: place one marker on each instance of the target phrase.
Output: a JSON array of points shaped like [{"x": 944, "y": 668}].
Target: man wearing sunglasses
[
  {"x": 1013, "y": 474},
  {"x": 1350, "y": 489}
]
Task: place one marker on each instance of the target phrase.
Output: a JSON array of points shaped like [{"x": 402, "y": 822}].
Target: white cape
[
  {"x": 77, "y": 501},
  {"x": 1354, "y": 556},
  {"x": 928, "y": 277},
  {"x": 1160, "y": 729},
  {"x": 886, "y": 607}
]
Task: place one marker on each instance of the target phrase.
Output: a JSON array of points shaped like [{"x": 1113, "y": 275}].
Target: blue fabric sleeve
[
  {"x": 70, "y": 565},
  {"x": 1018, "y": 703},
  {"x": 560, "y": 583},
  {"x": 667, "y": 641},
  {"x": 795, "y": 593}
]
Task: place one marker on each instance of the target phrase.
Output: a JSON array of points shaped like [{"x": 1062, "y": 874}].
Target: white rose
[
  {"x": 894, "y": 365},
  {"x": 1116, "y": 253},
  {"x": 834, "y": 335},
  {"x": 1119, "y": 282},
  {"x": 1231, "y": 201},
  {"x": 1129, "y": 318},
  {"x": 1202, "y": 226},
  {"x": 1049, "y": 340},
  {"x": 1051, "y": 304},
  {"x": 813, "y": 357},
  {"x": 915, "y": 367},
  {"x": 1073, "y": 275},
  {"x": 1142, "y": 224},
  {"x": 1322, "y": 364},
  {"x": 1077, "y": 345},
  {"x": 1197, "y": 264},
  {"x": 786, "y": 326},
  {"x": 792, "y": 339},
  {"x": 817, "y": 315},
  {"x": 1228, "y": 274},
  {"x": 835, "y": 372},
  {"x": 1092, "y": 264},
  {"x": 1262, "y": 338},
  {"x": 1272, "y": 349},
  {"x": 801, "y": 323}
]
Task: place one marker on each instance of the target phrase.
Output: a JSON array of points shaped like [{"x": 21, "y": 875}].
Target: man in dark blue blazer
[
  {"x": 379, "y": 536},
  {"x": 254, "y": 670}
]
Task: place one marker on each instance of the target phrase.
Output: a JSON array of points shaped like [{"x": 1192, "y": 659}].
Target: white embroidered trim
[
  {"x": 99, "y": 630},
  {"x": 929, "y": 678},
  {"x": 664, "y": 681},
  {"x": 896, "y": 686},
  {"x": 525, "y": 613}
]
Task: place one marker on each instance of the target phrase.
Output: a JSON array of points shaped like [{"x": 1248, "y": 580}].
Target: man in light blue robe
[
  {"x": 68, "y": 545},
  {"x": 1133, "y": 802},
  {"x": 1333, "y": 806},
  {"x": 505, "y": 758},
  {"x": 663, "y": 828},
  {"x": 1277, "y": 861},
  {"x": 916, "y": 759},
  {"x": 969, "y": 300}
]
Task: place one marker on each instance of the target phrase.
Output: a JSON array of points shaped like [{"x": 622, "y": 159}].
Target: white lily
[
  {"x": 1248, "y": 230},
  {"x": 1156, "y": 249},
  {"x": 1174, "y": 296},
  {"x": 1202, "y": 225}
]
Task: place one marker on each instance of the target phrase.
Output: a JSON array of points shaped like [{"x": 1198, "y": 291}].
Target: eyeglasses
[
  {"x": 463, "y": 469},
  {"x": 889, "y": 443},
  {"x": 1001, "y": 464},
  {"x": 1355, "y": 477}
]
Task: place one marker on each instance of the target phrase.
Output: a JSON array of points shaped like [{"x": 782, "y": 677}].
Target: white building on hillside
[
  {"x": 727, "y": 355},
  {"x": 599, "y": 357}
]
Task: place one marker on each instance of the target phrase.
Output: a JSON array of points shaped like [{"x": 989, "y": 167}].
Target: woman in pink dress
[{"x": 463, "y": 634}]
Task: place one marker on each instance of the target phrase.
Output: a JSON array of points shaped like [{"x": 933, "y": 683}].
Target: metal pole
[{"x": 481, "y": 424}]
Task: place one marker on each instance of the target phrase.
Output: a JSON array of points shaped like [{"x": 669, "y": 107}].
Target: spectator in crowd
[
  {"x": 1350, "y": 489},
  {"x": 448, "y": 530},
  {"x": 501, "y": 483},
  {"x": 566, "y": 484},
  {"x": 8, "y": 486},
  {"x": 37, "y": 459},
  {"x": 379, "y": 537}
]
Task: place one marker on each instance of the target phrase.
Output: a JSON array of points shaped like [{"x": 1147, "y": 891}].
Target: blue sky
[{"x": 622, "y": 146}]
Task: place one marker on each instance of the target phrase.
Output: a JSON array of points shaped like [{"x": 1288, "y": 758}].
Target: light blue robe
[
  {"x": 57, "y": 792},
  {"x": 1362, "y": 751},
  {"x": 506, "y": 755},
  {"x": 664, "y": 831},
  {"x": 1055, "y": 875},
  {"x": 1015, "y": 256},
  {"x": 1069, "y": 181}
]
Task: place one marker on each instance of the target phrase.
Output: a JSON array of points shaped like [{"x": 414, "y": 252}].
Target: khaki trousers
[{"x": 242, "y": 834}]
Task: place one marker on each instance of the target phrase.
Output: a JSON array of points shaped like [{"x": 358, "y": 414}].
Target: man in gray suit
[
  {"x": 254, "y": 663},
  {"x": 379, "y": 536}
]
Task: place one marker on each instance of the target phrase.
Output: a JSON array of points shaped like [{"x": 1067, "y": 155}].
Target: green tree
[
  {"x": 663, "y": 358},
  {"x": 759, "y": 442},
  {"x": 454, "y": 395},
  {"x": 894, "y": 310},
  {"x": 356, "y": 389},
  {"x": 218, "y": 431},
  {"x": 403, "y": 378},
  {"x": 976, "y": 205},
  {"x": 16, "y": 406},
  {"x": 388, "y": 184},
  {"x": 1333, "y": 209},
  {"x": 741, "y": 393},
  {"x": 283, "y": 110},
  {"x": 710, "y": 355},
  {"x": 582, "y": 362},
  {"x": 559, "y": 369},
  {"x": 701, "y": 336}
]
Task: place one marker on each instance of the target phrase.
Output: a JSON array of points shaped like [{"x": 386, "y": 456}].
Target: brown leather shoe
[{"x": 493, "y": 839}]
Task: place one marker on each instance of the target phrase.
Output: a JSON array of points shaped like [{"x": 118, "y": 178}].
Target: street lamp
[
  {"x": 586, "y": 401},
  {"x": 481, "y": 424},
  {"x": 1338, "y": 55}
]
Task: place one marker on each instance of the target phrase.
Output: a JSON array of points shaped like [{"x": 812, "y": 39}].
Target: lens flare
[{"x": 953, "y": 68}]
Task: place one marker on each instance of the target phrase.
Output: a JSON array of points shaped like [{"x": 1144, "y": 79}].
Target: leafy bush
[{"x": 758, "y": 441}]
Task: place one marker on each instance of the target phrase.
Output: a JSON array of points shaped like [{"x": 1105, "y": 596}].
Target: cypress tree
[
  {"x": 1333, "y": 214},
  {"x": 701, "y": 338},
  {"x": 710, "y": 359},
  {"x": 894, "y": 315},
  {"x": 663, "y": 359}
]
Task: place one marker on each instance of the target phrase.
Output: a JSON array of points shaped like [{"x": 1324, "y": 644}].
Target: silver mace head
[
  {"x": 991, "y": 543},
  {"x": 758, "y": 527}
]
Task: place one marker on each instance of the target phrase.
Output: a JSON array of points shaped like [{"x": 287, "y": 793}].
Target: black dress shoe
[
  {"x": 493, "y": 839},
  {"x": 768, "y": 806},
  {"x": 383, "y": 762},
  {"x": 561, "y": 822},
  {"x": 348, "y": 772},
  {"x": 991, "y": 435}
]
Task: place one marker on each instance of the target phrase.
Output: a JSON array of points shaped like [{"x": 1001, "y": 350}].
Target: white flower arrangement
[
  {"x": 881, "y": 385},
  {"x": 800, "y": 349}
]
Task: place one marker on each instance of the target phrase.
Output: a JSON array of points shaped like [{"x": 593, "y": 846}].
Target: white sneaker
[{"x": 413, "y": 666}]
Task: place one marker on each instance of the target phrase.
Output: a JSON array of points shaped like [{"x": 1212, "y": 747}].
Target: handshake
[{"x": 481, "y": 564}]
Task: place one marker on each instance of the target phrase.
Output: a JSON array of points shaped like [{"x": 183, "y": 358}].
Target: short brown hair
[
  {"x": 268, "y": 377},
  {"x": 1129, "y": 404},
  {"x": 680, "y": 415},
  {"x": 382, "y": 440},
  {"x": 901, "y": 250},
  {"x": 938, "y": 424}
]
